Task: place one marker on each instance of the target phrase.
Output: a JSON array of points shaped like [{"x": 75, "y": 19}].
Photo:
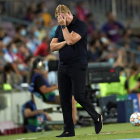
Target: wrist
[{"x": 63, "y": 26}]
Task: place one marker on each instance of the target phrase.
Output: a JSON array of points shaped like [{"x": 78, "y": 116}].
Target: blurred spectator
[
  {"x": 134, "y": 80},
  {"x": 52, "y": 32},
  {"x": 124, "y": 59},
  {"x": 34, "y": 118},
  {"x": 29, "y": 61},
  {"x": 112, "y": 28},
  {"x": 42, "y": 34},
  {"x": 127, "y": 39},
  {"x": 3, "y": 50},
  {"x": 46, "y": 17},
  {"x": 21, "y": 34},
  {"x": 2, "y": 7},
  {"x": 8, "y": 76},
  {"x": 30, "y": 13},
  {"x": 4, "y": 37},
  {"x": 42, "y": 49},
  {"x": 104, "y": 49},
  {"x": 95, "y": 51},
  {"x": 38, "y": 19},
  {"x": 91, "y": 24},
  {"x": 10, "y": 56},
  {"x": 2, "y": 33},
  {"x": 121, "y": 59},
  {"x": 81, "y": 11},
  {"x": 21, "y": 52},
  {"x": 33, "y": 41}
]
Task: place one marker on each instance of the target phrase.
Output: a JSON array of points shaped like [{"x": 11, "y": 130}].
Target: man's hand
[
  {"x": 72, "y": 33},
  {"x": 61, "y": 20}
]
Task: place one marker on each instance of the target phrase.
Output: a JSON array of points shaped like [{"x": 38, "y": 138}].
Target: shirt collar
[{"x": 74, "y": 19}]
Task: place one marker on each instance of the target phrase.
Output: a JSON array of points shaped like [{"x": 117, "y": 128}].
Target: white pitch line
[{"x": 26, "y": 138}]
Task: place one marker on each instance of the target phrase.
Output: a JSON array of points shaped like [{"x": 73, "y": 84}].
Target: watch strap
[{"x": 63, "y": 26}]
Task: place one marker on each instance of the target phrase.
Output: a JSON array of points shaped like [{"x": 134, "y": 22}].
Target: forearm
[
  {"x": 67, "y": 36},
  {"x": 136, "y": 87},
  {"x": 15, "y": 68},
  {"x": 32, "y": 113},
  {"x": 57, "y": 46},
  {"x": 49, "y": 89}
]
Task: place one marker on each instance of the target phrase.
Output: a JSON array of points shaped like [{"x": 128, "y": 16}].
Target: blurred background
[{"x": 26, "y": 29}]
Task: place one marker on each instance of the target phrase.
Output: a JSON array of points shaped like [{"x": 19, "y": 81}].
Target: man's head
[
  {"x": 134, "y": 69},
  {"x": 21, "y": 48},
  {"x": 21, "y": 30},
  {"x": 110, "y": 16},
  {"x": 65, "y": 12},
  {"x": 90, "y": 18},
  {"x": 127, "y": 32},
  {"x": 8, "y": 68},
  {"x": 38, "y": 65},
  {"x": 95, "y": 43},
  {"x": 11, "y": 47}
]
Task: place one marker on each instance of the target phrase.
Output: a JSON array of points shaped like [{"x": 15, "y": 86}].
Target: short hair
[
  {"x": 93, "y": 42},
  {"x": 28, "y": 58},
  {"x": 89, "y": 15},
  {"x": 61, "y": 9},
  {"x": 9, "y": 45},
  {"x": 108, "y": 13},
  {"x": 134, "y": 67},
  {"x": 8, "y": 67},
  {"x": 19, "y": 45}
]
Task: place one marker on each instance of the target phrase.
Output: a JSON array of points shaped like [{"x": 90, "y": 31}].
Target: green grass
[{"x": 118, "y": 131}]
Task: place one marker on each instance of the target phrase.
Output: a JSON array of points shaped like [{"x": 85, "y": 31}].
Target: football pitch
[{"x": 110, "y": 131}]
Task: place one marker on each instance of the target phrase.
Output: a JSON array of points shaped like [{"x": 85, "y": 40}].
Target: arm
[
  {"x": 55, "y": 46},
  {"x": 41, "y": 85},
  {"x": 29, "y": 113},
  {"x": 15, "y": 69},
  {"x": 46, "y": 90},
  {"x": 135, "y": 88},
  {"x": 70, "y": 38}
]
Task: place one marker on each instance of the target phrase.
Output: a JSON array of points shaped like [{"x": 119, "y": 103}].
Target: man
[
  {"x": 112, "y": 28},
  {"x": 71, "y": 41},
  {"x": 21, "y": 52},
  {"x": 94, "y": 52},
  {"x": 33, "y": 117},
  {"x": 42, "y": 49},
  {"x": 10, "y": 57}
]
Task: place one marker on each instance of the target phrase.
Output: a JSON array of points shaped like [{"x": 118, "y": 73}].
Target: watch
[{"x": 63, "y": 26}]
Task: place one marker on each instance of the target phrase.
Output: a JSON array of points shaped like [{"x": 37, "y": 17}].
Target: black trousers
[{"x": 71, "y": 80}]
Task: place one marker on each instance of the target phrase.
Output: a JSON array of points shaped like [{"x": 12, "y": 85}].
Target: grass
[{"x": 110, "y": 131}]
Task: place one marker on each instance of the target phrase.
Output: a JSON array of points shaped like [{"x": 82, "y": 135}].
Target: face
[
  {"x": 40, "y": 67},
  {"x": 111, "y": 17},
  {"x": 129, "y": 32},
  {"x": 67, "y": 16},
  {"x": 22, "y": 49},
  {"x": 13, "y": 46},
  {"x": 90, "y": 19},
  {"x": 132, "y": 71},
  {"x": 97, "y": 43}
]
